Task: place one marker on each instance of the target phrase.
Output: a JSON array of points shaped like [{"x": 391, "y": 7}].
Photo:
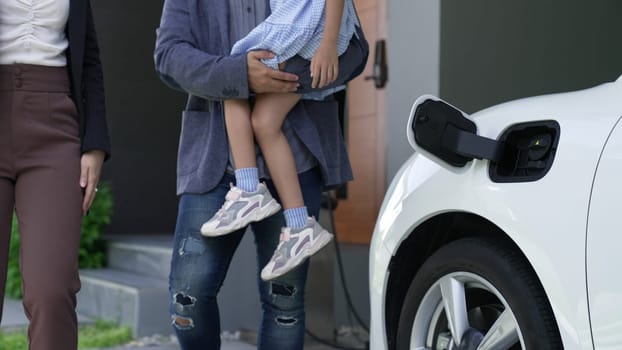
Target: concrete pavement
[{"x": 13, "y": 318}]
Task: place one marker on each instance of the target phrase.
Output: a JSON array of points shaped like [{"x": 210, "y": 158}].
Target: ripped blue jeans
[{"x": 199, "y": 266}]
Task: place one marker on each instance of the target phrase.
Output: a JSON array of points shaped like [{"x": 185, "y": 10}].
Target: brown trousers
[{"x": 39, "y": 178}]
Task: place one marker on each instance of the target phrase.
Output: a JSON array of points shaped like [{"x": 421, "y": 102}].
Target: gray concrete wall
[
  {"x": 413, "y": 45},
  {"x": 355, "y": 259},
  {"x": 494, "y": 51}
]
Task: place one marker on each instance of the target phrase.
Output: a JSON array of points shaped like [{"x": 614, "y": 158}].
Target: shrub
[{"x": 92, "y": 246}]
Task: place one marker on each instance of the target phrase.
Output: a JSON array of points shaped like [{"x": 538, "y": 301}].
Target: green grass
[
  {"x": 13, "y": 341},
  {"x": 99, "y": 335}
]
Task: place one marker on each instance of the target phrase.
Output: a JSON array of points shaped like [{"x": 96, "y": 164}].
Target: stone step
[
  {"x": 14, "y": 318},
  {"x": 131, "y": 299},
  {"x": 146, "y": 255}
]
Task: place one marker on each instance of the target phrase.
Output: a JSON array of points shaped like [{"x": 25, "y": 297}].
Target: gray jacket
[{"x": 192, "y": 55}]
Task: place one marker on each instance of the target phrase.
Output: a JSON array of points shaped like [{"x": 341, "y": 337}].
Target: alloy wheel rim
[{"x": 463, "y": 302}]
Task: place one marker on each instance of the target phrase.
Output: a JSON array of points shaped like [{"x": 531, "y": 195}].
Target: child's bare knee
[{"x": 264, "y": 126}]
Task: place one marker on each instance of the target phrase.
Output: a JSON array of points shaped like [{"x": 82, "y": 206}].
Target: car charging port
[{"x": 528, "y": 152}]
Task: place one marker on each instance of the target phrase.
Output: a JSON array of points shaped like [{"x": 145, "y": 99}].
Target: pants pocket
[{"x": 63, "y": 114}]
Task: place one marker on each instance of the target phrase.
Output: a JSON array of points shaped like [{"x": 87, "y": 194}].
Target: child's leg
[
  {"x": 268, "y": 115},
  {"x": 267, "y": 119},
  {"x": 303, "y": 236},
  {"x": 248, "y": 201},
  {"x": 241, "y": 142}
]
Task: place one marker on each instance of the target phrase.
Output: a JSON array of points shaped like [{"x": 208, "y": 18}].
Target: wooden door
[{"x": 356, "y": 215}]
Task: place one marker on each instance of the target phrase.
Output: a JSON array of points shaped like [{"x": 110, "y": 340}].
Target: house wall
[
  {"x": 144, "y": 118},
  {"x": 495, "y": 51},
  {"x": 413, "y": 46}
]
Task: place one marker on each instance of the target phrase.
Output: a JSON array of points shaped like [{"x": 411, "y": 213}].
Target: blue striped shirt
[{"x": 295, "y": 27}]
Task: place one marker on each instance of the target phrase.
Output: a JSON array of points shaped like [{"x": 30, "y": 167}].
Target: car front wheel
[{"x": 476, "y": 294}]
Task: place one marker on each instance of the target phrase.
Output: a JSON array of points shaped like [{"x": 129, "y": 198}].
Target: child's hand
[{"x": 324, "y": 66}]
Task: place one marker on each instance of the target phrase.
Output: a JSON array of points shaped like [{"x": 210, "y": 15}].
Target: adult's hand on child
[
  {"x": 263, "y": 79},
  {"x": 324, "y": 66}
]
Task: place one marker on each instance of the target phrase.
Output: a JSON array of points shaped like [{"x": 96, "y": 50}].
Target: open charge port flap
[{"x": 528, "y": 152}]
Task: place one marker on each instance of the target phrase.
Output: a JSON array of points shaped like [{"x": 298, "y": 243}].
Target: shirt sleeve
[{"x": 185, "y": 67}]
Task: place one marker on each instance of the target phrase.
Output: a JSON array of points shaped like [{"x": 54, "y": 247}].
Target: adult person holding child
[{"x": 193, "y": 55}]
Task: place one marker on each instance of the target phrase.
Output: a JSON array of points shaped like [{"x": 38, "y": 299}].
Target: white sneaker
[
  {"x": 240, "y": 209},
  {"x": 295, "y": 246}
]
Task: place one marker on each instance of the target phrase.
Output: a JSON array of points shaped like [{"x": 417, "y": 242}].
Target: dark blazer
[
  {"x": 192, "y": 55},
  {"x": 87, "y": 82}
]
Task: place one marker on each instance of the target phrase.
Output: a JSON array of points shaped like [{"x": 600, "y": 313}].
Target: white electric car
[{"x": 501, "y": 230}]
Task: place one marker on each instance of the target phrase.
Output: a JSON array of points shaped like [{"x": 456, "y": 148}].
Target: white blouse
[{"x": 33, "y": 32}]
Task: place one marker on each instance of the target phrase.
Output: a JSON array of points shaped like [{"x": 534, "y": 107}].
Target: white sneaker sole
[
  {"x": 257, "y": 215},
  {"x": 296, "y": 261}
]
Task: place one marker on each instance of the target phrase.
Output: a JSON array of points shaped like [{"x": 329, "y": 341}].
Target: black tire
[{"x": 506, "y": 270}]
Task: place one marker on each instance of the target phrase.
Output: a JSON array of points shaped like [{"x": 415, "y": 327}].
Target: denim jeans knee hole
[
  {"x": 184, "y": 300},
  {"x": 283, "y": 290},
  {"x": 182, "y": 322},
  {"x": 286, "y": 321}
]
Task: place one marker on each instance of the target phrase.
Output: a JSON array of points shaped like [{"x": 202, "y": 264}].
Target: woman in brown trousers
[{"x": 53, "y": 141}]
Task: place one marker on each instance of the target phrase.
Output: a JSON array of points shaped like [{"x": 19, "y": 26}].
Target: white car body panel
[
  {"x": 604, "y": 258},
  {"x": 550, "y": 228}
]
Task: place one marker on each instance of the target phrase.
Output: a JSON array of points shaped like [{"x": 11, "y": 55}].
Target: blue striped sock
[
  {"x": 296, "y": 217},
  {"x": 247, "y": 179}
]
